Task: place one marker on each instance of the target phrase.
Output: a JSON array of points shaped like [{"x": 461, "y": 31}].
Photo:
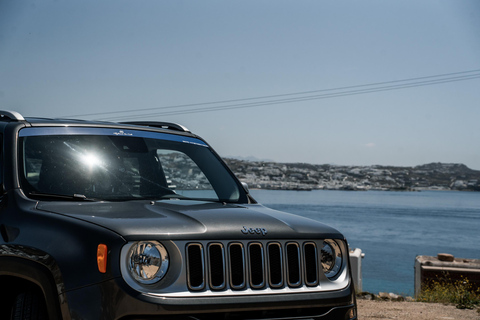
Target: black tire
[{"x": 29, "y": 305}]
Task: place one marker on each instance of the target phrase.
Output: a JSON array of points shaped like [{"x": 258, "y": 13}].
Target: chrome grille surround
[
  {"x": 242, "y": 267},
  {"x": 266, "y": 265}
]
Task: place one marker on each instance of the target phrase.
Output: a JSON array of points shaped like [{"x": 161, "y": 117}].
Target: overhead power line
[
  {"x": 292, "y": 100},
  {"x": 294, "y": 97}
]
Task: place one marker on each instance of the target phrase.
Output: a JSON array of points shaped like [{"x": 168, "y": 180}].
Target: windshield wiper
[
  {"x": 75, "y": 197},
  {"x": 174, "y": 196},
  {"x": 182, "y": 197}
]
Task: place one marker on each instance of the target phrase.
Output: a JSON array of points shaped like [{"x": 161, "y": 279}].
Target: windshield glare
[{"x": 130, "y": 165}]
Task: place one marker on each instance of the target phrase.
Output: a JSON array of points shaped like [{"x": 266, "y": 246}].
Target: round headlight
[
  {"x": 147, "y": 261},
  {"x": 331, "y": 259}
]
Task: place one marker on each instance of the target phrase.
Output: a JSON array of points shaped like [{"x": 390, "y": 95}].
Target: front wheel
[{"x": 29, "y": 305}]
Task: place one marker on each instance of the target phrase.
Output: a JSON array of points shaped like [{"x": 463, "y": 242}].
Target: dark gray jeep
[{"x": 145, "y": 221}]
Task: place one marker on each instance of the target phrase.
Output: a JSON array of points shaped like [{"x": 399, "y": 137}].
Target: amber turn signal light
[{"x": 102, "y": 258}]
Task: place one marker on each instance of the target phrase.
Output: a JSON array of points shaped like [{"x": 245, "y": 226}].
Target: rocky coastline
[
  {"x": 304, "y": 177},
  {"x": 384, "y": 296}
]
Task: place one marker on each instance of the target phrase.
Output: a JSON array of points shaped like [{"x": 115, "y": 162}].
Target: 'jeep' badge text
[{"x": 261, "y": 231}]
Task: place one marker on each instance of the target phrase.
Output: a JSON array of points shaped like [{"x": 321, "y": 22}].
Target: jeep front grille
[{"x": 254, "y": 265}]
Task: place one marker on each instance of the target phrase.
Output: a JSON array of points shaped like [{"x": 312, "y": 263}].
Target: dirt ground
[{"x": 374, "y": 310}]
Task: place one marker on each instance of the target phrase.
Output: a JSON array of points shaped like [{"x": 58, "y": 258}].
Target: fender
[{"x": 40, "y": 269}]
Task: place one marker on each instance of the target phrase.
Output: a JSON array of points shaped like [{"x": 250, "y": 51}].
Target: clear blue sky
[{"x": 78, "y": 58}]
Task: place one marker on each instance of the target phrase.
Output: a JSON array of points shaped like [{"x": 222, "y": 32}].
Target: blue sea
[{"x": 391, "y": 228}]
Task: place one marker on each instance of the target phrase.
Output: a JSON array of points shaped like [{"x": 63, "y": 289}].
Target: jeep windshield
[{"x": 77, "y": 163}]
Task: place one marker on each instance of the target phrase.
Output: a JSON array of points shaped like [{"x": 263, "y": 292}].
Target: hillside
[{"x": 303, "y": 176}]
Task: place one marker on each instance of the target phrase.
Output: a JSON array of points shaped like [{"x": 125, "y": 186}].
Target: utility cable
[
  {"x": 270, "y": 96},
  {"x": 301, "y": 99}
]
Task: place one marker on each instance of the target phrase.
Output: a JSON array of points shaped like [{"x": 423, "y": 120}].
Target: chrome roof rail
[
  {"x": 158, "y": 124},
  {"x": 11, "y": 115}
]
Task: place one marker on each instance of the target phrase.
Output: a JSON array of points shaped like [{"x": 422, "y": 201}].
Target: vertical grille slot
[
  {"x": 237, "y": 266},
  {"x": 275, "y": 265},
  {"x": 311, "y": 263},
  {"x": 256, "y": 265},
  {"x": 195, "y": 267},
  {"x": 293, "y": 265},
  {"x": 216, "y": 266}
]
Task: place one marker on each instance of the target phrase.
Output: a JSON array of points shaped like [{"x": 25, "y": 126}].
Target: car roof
[{"x": 13, "y": 116}]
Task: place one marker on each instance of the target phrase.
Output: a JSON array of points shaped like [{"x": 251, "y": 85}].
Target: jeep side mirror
[{"x": 245, "y": 187}]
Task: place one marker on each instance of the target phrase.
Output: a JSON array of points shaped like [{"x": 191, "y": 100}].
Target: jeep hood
[{"x": 185, "y": 219}]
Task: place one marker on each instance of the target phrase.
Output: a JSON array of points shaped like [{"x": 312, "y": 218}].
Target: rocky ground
[{"x": 376, "y": 309}]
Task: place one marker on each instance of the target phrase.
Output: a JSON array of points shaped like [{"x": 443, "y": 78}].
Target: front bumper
[{"x": 114, "y": 300}]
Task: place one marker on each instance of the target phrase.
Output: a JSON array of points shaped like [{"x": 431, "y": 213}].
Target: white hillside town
[{"x": 302, "y": 176}]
